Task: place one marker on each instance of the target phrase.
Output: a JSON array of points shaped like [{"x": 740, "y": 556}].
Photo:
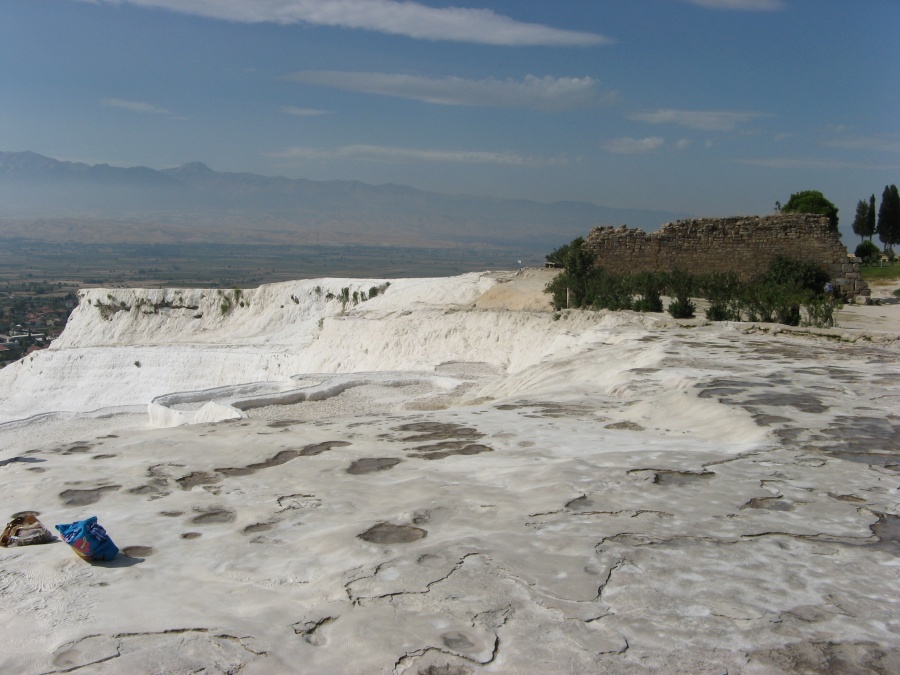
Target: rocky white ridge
[{"x": 125, "y": 347}]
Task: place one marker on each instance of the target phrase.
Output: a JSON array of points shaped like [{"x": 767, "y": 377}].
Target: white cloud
[
  {"x": 302, "y": 112},
  {"x": 885, "y": 143},
  {"x": 135, "y": 106},
  {"x": 545, "y": 93},
  {"x": 410, "y": 19},
  {"x": 741, "y": 5},
  {"x": 395, "y": 154},
  {"x": 633, "y": 146},
  {"x": 683, "y": 143},
  {"x": 704, "y": 120}
]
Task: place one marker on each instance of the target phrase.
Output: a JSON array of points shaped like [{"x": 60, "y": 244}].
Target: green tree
[
  {"x": 861, "y": 221},
  {"x": 572, "y": 283},
  {"x": 870, "y": 222},
  {"x": 812, "y": 201},
  {"x": 888, "y": 227},
  {"x": 578, "y": 264},
  {"x": 559, "y": 255}
]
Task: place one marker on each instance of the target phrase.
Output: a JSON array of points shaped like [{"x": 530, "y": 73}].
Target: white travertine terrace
[{"x": 450, "y": 478}]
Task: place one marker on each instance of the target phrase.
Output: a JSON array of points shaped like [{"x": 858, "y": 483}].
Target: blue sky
[{"x": 711, "y": 107}]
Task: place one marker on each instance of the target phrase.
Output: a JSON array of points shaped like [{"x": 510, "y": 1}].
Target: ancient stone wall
[{"x": 745, "y": 245}]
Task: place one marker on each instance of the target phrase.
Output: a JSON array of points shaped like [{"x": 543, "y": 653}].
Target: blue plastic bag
[{"x": 89, "y": 539}]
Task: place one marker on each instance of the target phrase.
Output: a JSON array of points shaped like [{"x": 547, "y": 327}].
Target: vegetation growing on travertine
[{"x": 791, "y": 292}]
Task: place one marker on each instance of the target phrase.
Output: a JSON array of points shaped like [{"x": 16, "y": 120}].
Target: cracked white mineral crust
[{"x": 449, "y": 478}]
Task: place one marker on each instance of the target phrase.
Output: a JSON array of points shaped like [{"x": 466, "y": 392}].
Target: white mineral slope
[
  {"x": 126, "y": 347},
  {"x": 163, "y": 342},
  {"x": 600, "y": 492},
  {"x": 273, "y": 314}
]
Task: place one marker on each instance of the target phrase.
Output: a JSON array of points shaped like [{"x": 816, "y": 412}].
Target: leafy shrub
[
  {"x": 869, "y": 252},
  {"x": 571, "y": 287},
  {"x": 785, "y": 293},
  {"x": 596, "y": 289},
  {"x": 772, "y": 303},
  {"x": 820, "y": 311},
  {"x": 651, "y": 304},
  {"x": 649, "y": 286},
  {"x": 608, "y": 291},
  {"x": 788, "y": 314},
  {"x": 789, "y": 272},
  {"x": 557, "y": 288},
  {"x": 680, "y": 285},
  {"x": 720, "y": 313},
  {"x": 682, "y": 309},
  {"x": 724, "y": 291}
]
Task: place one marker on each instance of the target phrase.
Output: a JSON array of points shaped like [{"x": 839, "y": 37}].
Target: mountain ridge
[{"x": 34, "y": 185}]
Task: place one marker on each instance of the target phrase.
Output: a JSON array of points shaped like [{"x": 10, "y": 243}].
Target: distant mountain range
[{"x": 195, "y": 201}]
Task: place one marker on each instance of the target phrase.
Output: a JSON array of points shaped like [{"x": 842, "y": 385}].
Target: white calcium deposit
[{"x": 450, "y": 478}]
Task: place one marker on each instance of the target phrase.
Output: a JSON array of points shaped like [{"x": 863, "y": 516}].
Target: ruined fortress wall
[{"x": 745, "y": 245}]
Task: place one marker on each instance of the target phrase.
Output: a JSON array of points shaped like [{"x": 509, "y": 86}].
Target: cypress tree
[
  {"x": 895, "y": 216},
  {"x": 889, "y": 217},
  {"x": 861, "y": 221},
  {"x": 870, "y": 218}
]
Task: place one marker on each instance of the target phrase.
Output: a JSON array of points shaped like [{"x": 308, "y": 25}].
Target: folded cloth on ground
[
  {"x": 25, "y": 530},
  {"x": 89, "y": 539}
]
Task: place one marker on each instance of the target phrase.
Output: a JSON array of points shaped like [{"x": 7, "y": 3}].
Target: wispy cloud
[
  {"x": 410, "y": 19},
  {"x": 741, "y": 5},
  {"x": 135, "y": 106},
  {"x": 633, "y": 146},
  {"x": 395, "y": 154},
  {"x": 302, "y": 112},
  {"x": 812, "y": 163},
  {"x": 703, "y": 120},
  {"x": 544, "y": 93},
  {"x": 880, "y": 143}
]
